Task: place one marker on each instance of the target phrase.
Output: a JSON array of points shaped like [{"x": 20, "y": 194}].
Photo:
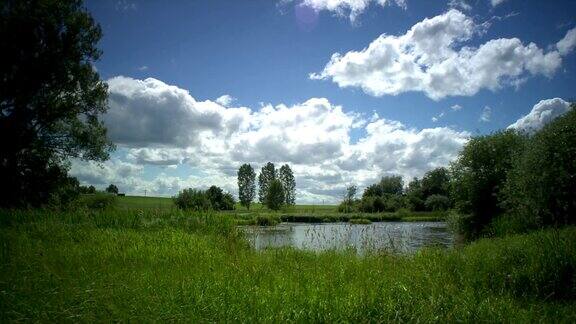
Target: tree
[
  {"x": 437, "y": 202},
  {"x": 388, "y": 185},
  {"x": 50, "y": 96},
  {"x": 112, "y": 189},
  {"x": 275, "y": 197},
  {"x": 246, "y": 185},
  {"x": 289, "y": 183},
  {"x": 478, "y": 176},
  {"x": 392, "y": 185},
  {"x": 267, "y": 174},
  {"x": 541, "y": 188},
  {"x": 436, "y": 182},
  {"x": 415, "y": 195},
  {"x": 228, "y": 202},
  {"x": 215, "y": 196},
  {"x": 349, "y": 196}
]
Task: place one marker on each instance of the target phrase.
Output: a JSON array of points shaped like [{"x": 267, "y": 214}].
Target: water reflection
[{"x": 400, "y": 237}]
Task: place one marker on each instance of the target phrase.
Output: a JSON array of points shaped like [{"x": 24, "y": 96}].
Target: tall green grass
[{"x": 174, "y": 266}]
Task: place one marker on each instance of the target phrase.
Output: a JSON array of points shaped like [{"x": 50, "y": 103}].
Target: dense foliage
[
  {"x": 266, "y": 176},
  {"x": 479, "y": 174},
  {"x": 276, "y": 196},
  {"x": 286, "y": 177},
  {"x": 541, "y": 186},
  {"x": 246, "y": 185},
  {"x": 50, "y": 97},
  {"x": 112, "y": 189},
  {"x": 202, "y": 200},
  {"x": 512, "y": 182},
  {"x": 431, "y": 193}
]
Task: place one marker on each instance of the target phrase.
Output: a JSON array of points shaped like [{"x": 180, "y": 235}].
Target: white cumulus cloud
[
  {"x": 542, "y": 113},
  {"x": 160, "y": 125},
  {"x": 432, "y": 57},
  {"x": 350, "y": 8}
]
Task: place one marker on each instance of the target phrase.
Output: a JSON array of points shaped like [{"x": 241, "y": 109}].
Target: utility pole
[{"x": 144, "y": 192}]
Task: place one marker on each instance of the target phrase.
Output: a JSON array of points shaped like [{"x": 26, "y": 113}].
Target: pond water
[{"x": 398, "y": 237}]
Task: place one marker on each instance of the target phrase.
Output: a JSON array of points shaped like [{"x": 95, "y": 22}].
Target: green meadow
[{"x": 167, "y": 265}]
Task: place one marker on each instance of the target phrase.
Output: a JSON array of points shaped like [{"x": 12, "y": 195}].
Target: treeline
[
  {"x": 202, "y": 200},
  {"x": 506, "y": 182},
  {"x": 431, "y": 193},
  {"x": 514, "y": 182},
  {"x": 275, "y": 190}
]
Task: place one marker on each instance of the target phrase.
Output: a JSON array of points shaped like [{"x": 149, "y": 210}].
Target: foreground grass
[{"x": 158, "y": 266}]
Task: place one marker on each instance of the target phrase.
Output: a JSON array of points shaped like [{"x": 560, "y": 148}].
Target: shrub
[
  {"x": 437, "y": 202},
  {"x": 275, "y": 195},
  {"x": 97, "y": 201},
  {"x": 193, "y": 199},
  {"x": 228, "y": 202},
  {"x": 266, "y": 220},
  {"x": 542, "y": 185},
  {"x": 393, "y": 202},
  {"x": 360, "y": 221},
  {"x": 112, "y": 189},
  {"x": 479, "y": 174}
]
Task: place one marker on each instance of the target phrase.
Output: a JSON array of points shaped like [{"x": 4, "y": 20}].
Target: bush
[
  {"x": 479, "y": 175},
  {"x": 350, "y": 207},
  {"x": 112, "y": 189},
  {"x": 228, "y": 202},
  {"x": 360, "y": 221},
  {"x": 267, "y": 220},
  {"x": 275, "y": 195},
  {"x": 437, "y": 202},
  {"x": 542, "y": 185},
  {"x": 99, "y": 201},
  {"x": 193, "y": 199}
]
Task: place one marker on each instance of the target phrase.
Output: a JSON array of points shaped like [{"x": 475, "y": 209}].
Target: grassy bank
[{"x": 158, "y": 266}]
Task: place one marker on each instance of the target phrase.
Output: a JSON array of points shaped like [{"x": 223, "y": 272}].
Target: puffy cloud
[
  {"x": 156, "y": 124},
  {"x": 352, "y": 8},
  {"x": 542, "y": 113},
  {"x": 431, "y": 58},
  {"x": 567, "y": 44},
  {"x": 149, "y": 112},
  {"x": 225, "y": 100},
  {"x": 486, "y": 114},
  {"x": 121, "y": 173}
]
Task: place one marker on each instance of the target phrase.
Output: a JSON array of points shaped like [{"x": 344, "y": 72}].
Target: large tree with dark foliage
[
  {"x": 266, "y": 176},
  {"x": 541, "y": 188},
  {"x": 112, "y": 189},
  {"x": 50, "y": 97},
  {"x": 246, "y": 185},
  {"x": 289, "y": 183},
  {"x": 479, "y": 174},
  {"x": 275, "y": 197}
]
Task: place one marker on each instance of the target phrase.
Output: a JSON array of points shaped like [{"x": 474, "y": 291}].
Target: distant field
[
  {"x": 298, "y": 213},
  {"x": 139, "y": 202}
]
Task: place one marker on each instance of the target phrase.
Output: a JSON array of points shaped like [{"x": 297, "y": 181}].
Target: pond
[{"x": 397, "y": 237}]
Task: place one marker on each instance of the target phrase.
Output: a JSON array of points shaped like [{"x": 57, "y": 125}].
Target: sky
[{"x": 344, "y": 91}]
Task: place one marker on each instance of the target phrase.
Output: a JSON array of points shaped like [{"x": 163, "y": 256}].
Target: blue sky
[{"x": 263, "y": 53}]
